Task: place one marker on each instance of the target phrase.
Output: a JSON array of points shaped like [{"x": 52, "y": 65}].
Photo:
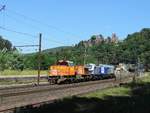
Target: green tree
[
  {"x": 5, "y": 44},
  {"x": 4, "y": 60}
]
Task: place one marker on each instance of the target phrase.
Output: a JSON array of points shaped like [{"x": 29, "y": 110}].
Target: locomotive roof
[{"x": 65, "y": 62}]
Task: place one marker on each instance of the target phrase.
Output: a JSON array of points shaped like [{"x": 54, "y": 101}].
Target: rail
[{"x": 12, "y": 98}]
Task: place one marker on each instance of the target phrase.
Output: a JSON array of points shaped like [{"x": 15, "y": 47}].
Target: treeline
[
  {"x": 10, "y": 58},
  {"x": 135, "y": 48},
  {"x": 5, "y": 44}
]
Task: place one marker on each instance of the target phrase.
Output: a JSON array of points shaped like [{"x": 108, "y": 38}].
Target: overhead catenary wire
[
  {"x": 2, "y": 9},
  {"x": 54, "y": 41},
  {"x": 43, "y": 23},
  {"x": 18, "y": 32},
  {"x": 25, "y": 39},
  {"x": 27, "y": 34},
  {"x": 21, "y": 22},
  {"x": 37, "y": 21},
  {"x": 35, "y": 27},
  {"x": 31, "y": 35},
  {"x": 27, "y": 46}
]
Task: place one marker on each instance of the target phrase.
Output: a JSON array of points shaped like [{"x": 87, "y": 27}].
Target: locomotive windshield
[{"x": 65, "y": 63}]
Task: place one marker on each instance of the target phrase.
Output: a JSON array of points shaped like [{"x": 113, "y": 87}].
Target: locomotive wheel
[
  {"x": 52, "y": 81},
  {"x": 61, "y": 80}
]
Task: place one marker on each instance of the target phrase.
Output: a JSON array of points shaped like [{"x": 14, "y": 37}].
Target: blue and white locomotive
[{"x": 101, "y": 71}]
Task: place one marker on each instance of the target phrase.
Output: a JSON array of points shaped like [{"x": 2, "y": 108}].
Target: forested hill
[
  {"x": 135, "y": 48},
  {"x": 56, "y": 49},
  {"x": 98, "y": 49}
]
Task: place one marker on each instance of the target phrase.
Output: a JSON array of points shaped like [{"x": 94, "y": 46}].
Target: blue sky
[{"x": 66, "y": 22}]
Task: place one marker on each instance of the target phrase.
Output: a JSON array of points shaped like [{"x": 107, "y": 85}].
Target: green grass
[
  {"x": 24, "y": 72},
  {"x": 118, "y": 91},
  {"x": 146, "y": 78}
]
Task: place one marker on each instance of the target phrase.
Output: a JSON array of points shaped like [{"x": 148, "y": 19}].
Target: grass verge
[{"x": 24, "y": 72}]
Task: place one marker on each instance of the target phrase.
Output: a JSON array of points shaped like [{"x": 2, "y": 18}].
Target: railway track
[
  {"x": 5, "y": 81},
  {"x": 35, "y": 88},
  {"x": 22, "y": 96}
]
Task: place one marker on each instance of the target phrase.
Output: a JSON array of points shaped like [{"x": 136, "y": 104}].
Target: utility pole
[
  {"x": 39, "y": 59},
  {"x": 84, "y": 60},
  {"x": 39, "y": 55}
]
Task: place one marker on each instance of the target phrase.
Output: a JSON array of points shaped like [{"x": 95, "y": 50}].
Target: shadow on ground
[{"x": 137, "y": 102}]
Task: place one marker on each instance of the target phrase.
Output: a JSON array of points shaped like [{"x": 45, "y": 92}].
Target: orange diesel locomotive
[{"x": 66, "y": 71}]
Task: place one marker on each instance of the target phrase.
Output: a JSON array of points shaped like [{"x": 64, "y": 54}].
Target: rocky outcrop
[{"x": 98, "y": 39}]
